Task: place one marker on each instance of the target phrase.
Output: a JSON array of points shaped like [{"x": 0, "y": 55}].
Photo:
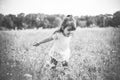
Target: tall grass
[{"x": 95, "y": 55}]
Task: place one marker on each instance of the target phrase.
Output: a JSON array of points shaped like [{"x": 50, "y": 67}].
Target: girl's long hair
[{"x": 68, "y": 21}]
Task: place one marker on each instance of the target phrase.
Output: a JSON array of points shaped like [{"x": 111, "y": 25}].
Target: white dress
[{"x": 61, "y": 47}]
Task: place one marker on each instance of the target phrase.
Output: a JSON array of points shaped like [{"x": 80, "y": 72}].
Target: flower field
[{"x": 95, "y": 55}]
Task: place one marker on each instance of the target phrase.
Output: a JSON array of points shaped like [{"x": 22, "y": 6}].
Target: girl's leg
[
  {"x": 47, "y": 62},
  {"x": 54, "y": 62},
  {"x": 64, "y": 63},
  {"x": 51, "y": 62},
  {"x": 66, "y": 67}
]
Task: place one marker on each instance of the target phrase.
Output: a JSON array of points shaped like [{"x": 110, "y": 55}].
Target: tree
[
  {"x": 20, "y": 20},
  {"x": 8, "y": 22},
  {"x": 51, "y": 20},
  {"x": 108, "y": 21},
  {"x": 89, "y": 21},
  {"x": 116, "y": 19},
  {"x": 32, "y": 20},
  {"x": 100, "y": 20},
  {"x": 13, "y": 19},
  {"x": 1, "y": 19},
  {"x": 57, "y": 22}
]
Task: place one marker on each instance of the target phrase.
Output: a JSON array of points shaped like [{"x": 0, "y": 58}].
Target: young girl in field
[{"x": 60, "y": 51}]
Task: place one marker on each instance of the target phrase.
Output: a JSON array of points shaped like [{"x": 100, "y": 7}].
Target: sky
[{"x": 74, "y": 7}]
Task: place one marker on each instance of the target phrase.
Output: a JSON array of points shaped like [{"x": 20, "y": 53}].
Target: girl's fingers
[{"x": 35, "y": 44}]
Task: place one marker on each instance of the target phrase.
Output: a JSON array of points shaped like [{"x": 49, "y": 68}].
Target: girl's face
[{"x": 67, "y": 31}]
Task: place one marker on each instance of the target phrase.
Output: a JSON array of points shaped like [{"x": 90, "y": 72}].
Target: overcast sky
[{"x": 74, "y": 7}]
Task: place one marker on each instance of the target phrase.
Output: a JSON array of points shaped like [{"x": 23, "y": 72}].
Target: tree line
[{"x": 29, "y": 21}]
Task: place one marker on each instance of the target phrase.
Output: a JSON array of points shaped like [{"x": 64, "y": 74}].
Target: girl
[{"x": 60, "y": 51}]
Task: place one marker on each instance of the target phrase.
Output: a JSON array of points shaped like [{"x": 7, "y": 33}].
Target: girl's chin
[{"x": 67, "y": 34}]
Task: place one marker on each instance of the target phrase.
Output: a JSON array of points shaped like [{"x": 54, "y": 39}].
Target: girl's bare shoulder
[{"x": 56, "y": 34}]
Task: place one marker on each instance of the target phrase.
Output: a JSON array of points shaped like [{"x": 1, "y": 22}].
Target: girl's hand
[{"x": 37, "y": 44}]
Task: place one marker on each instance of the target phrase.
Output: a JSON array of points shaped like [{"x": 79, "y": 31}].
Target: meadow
[{"x": 95, "y": 55}]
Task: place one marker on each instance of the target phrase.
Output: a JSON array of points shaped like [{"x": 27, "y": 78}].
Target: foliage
[
  {"x": 22, "y": 21},
  {"x": 116, "y": 19}
]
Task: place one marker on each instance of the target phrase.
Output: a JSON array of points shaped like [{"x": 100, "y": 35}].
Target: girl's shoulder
[{"x": 56, "y": 34}]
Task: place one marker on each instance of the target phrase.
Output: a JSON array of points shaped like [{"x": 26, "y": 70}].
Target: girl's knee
[
  {"x": 51, "y": 63},
  {"x": 64, "y": 63},
  {"x": 54, "y": 61}
]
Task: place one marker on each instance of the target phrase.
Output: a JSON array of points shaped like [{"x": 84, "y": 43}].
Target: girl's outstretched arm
[{"x": 43, "y": 41}]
